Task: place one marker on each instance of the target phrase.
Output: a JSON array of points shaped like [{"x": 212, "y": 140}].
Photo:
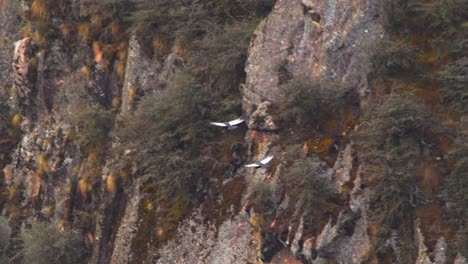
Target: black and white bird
[
  {"x": 261, "y": 164},
  {"x": 229, "y": 125}
]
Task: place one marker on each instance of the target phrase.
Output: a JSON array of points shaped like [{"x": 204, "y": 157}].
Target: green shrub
[
  {"x": 389, "y": 145},
  {"x": 92, "y": 127},
  {"x": 457, "y": 190},
  {"x": 7, "y": 126},
  {"x": 454, "y": 79},
  {"x": 456, "y": 184},
  {"x": 45, "y": 243},
  {"x": 416, "y": 14},
  {"x": 437, "y": 13},
  {"x": 109, "y": 9},
  {"x": 393, "y": 58},
  {"x": 172, "y": 18},
  {"x": 301, "y": 102},
  {"x": 464, "y": 242},
  {"x": 305, "y": 179},
  {"x": 5, "y": 233},
  {"x": 169, "y": 129},
  {"x": 262, "y": 199},
  {"x": 400, "y": 117}
]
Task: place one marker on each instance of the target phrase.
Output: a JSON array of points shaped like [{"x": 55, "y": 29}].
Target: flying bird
[
  {"x": 261, "y": 164},
  {"x": 229, "y": 125}
]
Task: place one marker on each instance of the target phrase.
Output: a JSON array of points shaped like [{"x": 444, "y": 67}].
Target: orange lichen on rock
[
  {"x": 3, "y": 4},
  {"x": 97, "y": 52},
  {"x": 48, "y": 210},
  {"x": 40, "y": 10},
  {"x": 7, "y": 173},
  {"x": 16, "y": 121},
  {"x": 319, "y": 145},
  {"x": 42, "y": 166},
  {"x": 86, "y": 71},
  {"x": 83, "y": 186},
  {"x": 13, "y": 193},
  {"x": 111, "y": 183},
  {"x": 115, "y": 29}
]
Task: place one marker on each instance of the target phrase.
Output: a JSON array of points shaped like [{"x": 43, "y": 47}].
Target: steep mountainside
[{"x": 108, "y": 156}]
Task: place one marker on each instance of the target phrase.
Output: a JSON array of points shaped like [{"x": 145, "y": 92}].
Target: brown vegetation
[{"x": 45, "y": 243}]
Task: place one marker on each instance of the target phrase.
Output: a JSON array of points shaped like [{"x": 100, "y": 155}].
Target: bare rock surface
[
  {"x": 325, "y": 39},
  {"x": 9, "y": 34},
  {"x": 198, "y": 243},
  {"x": 128, "y": 226}
]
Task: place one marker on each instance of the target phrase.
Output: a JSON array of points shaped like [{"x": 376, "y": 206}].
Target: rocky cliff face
[{"x": 48, "y": 175}]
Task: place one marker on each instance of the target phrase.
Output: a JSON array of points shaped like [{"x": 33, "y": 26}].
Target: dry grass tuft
[{"x": 40, "y": 10}]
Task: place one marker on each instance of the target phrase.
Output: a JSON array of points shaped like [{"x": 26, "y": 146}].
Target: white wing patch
[
  {"x": 236, "y": 121},
  {"x": 229, "y": 124},
  {"x": 253, "y": 165},
  {"x": 267, "y": 159},
  {"x": 218, "y": 124},
  {"x": 260, "y": 163}
]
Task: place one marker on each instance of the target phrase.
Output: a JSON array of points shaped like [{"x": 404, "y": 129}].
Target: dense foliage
[
  {"x": 302, "y": 101},
  {"x": 390, "y": 143},
  {"x": 92, "y": 128},
  {"x": 454, "y": 78},
  {"x": 310, "y": 187}
]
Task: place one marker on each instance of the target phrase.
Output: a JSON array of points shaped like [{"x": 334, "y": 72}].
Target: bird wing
[
  {"x": 253, "y": 165},
  {"x": 267, "y": 159},
  {"x": 218, "y": 124},
  {"x": 236, "y": 121}
]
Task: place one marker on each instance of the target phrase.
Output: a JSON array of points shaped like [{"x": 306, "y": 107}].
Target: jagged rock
[
  {"x": 5, "y": 233},
  {"x": 140, "y": 74},
  {"x": 235, "y": 243},
  {"x": 261, "y": 119},
  {"x": 440, "y": 249},
  {"x": 343, "y": 166},
  {"x": 422, "y": 249},
  {"x": 295, "y": 247},
  {"x": 10, "y": 31},
  {"x": 460, "y": 259},
  {"x": 121, "y": 252},
  {"x": 196, "y": 242},
  {"x": 308, "y": 39},
  {"x": 423, "y": 256},
  {"x": 24, "y": 84},
  {"x": 145, "y": 75},
  {"x": 327, "y": 40}
]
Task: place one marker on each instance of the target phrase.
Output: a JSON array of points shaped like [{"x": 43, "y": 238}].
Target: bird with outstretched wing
[
  {"x": 233, "y": 124},
  {"x": 261, "y": 164}
]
